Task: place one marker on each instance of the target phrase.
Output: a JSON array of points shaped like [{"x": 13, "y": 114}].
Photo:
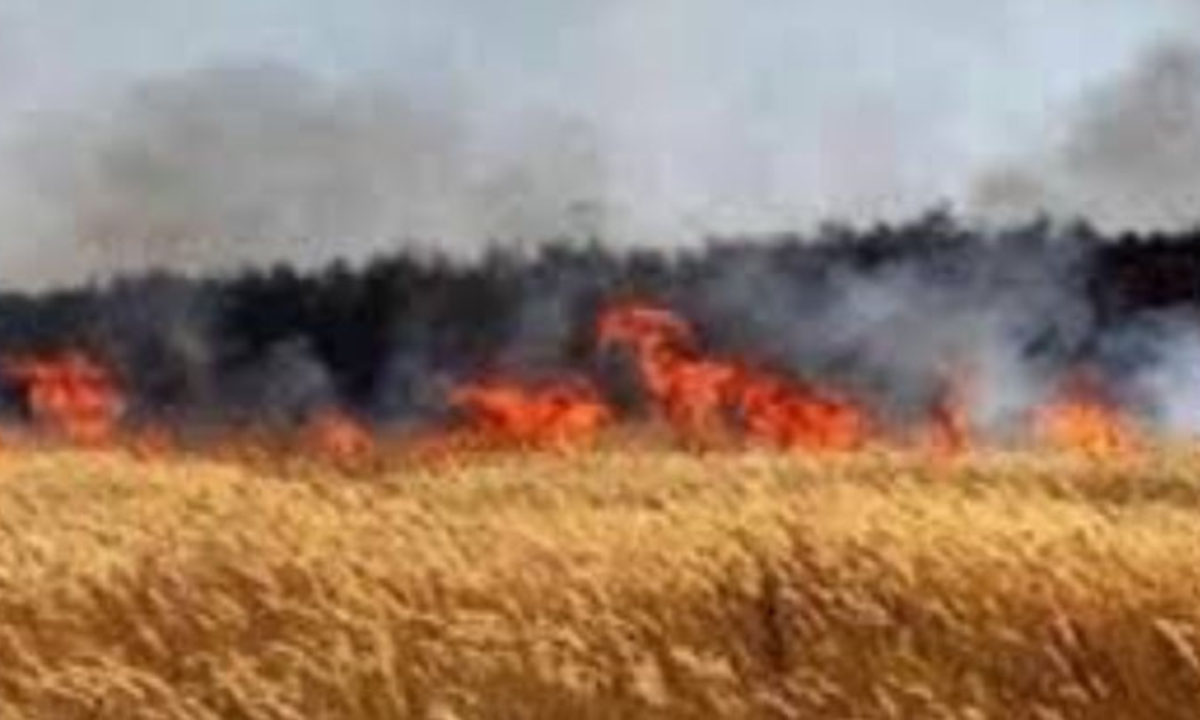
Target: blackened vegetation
[{"x": 877, "y": 311}]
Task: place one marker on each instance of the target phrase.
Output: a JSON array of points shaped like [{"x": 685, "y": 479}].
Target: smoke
[
  {"x": 631, "y": 122},
  {"x": 1130, "y": 157},
  {"x": 156, "y": 142},
  {"x": 1002, "y": 315},
  {"x": 231, "y": 166},
  {"x": 886, "y": 316},
  {"x": 1168, "y": 380}
]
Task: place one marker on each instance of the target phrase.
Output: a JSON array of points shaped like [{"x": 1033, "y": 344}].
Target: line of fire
[{"x": 737, "y": 345}]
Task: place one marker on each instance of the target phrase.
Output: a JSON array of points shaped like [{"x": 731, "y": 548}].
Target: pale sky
[{"x": 710, "y": 115}]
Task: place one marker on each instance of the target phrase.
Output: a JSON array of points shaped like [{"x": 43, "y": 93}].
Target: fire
[
  {"x": 338, "y": 438},
  {"x": 790, "y": 414},
  {"x": 688, "y": 391},
  {"x": 700, "y": 396},
  {"x": 69, "y": 394},
  {"x": 948, "y": 429},
  {"x": 1079, "y": 419},
  {"x": 561, "y": 414},
  {"x": 692, "y": 393}
]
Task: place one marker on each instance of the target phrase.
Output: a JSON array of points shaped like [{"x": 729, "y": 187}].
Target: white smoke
[{"x": 1172, "y": 383}]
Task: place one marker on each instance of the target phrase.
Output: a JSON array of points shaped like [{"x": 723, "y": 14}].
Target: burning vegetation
[
  {"x": 69, "y": 395},
  {"x": 924, "y": 336},
  {"x": 1080, "y": 418},
  {"x": 560, "y": 415},
  {"x": 703, "y": 399},
  {"x": 816, "y": 574}
]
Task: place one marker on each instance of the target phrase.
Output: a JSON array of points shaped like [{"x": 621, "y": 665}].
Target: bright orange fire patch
[
  {"x": 789, "y": 414},
  {"x": 702, "y": 398},
  {"x": 69, "y": 395},
  {"x": 562, "y": 414},
  {"x": 699, "y": 396},
  {"x": 1079, "y": 419}
]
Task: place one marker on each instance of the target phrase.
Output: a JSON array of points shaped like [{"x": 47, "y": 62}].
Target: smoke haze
[
  {"x": 238, "y": 133},
  {"x": 1131, "y": 154}
]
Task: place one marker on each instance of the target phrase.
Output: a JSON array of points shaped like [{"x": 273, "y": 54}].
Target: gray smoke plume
[
  {"x": 671, "y": 119},
  {"x": 1130, "y": 157},
  {"x": 1168, "y": 380},
  {"x": 1002, "y": 315},
  {"x": 144, "y": 137},
  {"x": 244, "y": 165}
]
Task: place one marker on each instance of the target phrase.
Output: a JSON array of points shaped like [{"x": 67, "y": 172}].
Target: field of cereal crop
[{"x": 612, "y": 584}]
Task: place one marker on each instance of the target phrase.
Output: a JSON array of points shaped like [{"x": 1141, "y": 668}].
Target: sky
[{"x": 675, "y": 118}]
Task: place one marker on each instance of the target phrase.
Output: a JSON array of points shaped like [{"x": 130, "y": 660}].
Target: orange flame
[
  {"x": 698, "y": 395},
  {"x": 700, "y": 398},
  {"x": 1078, "y": 419},
  {"x": 559, "y": 415},
  {"x": 692, "y": 393},
  {"x": 69, "y": 394},
  {"x": 790, "y": 414}
]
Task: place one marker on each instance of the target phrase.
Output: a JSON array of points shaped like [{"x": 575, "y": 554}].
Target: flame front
[
  {"x": 69, "y": 395},
  {"x": 563, "y": 414},
  {"x": 690, "y": 392},
  {"x": 790, "y": 414},
  {"x": 701, "y": 396},
  {"x": 1078, "y": 422}
]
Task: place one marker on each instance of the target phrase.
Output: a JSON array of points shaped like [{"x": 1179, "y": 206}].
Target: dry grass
[{"x": 609, "y": 585}]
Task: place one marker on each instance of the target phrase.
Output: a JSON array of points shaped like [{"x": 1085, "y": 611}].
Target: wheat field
[{"x": 612, "y": 584}]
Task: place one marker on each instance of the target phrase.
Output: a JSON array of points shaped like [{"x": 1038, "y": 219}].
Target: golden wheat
[{"x": 642, "y": 583}]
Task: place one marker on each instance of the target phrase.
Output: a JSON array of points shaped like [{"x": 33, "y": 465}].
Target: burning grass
[
  {"x": 705, "y": 399},
  {"x": 621, "y": 582},
  {"x": 752, "y": 545}
]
